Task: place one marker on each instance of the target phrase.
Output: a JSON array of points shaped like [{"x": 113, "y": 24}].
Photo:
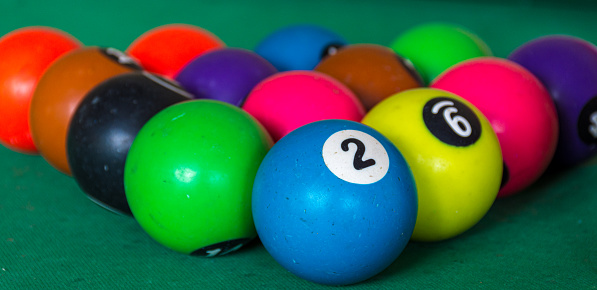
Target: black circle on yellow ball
[
  {"x": 587, "y": 122},
  {"x": 451, "y": 121}
]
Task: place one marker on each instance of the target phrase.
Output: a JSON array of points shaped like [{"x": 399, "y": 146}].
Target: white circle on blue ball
[{"x": 355, "y": 156}]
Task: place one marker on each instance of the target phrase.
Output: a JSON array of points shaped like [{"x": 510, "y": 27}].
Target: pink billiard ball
[
  {"x": 519, "y": 109},
  {"x": 288, "y": 100}
]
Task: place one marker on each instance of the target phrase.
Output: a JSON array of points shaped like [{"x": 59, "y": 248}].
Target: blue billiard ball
[
  {"x": 334, "y": 202},
  {"x": 299, "y": 47}
]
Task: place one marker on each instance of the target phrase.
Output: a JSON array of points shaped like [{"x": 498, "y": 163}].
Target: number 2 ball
[
  {"x": 454, "y": 155},
  {"x": 334, "y": 202}
]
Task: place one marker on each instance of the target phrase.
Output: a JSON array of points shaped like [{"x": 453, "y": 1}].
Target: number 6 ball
[
  {"x": 334, "y": 202},
  {"x": 453, "y": 152}
]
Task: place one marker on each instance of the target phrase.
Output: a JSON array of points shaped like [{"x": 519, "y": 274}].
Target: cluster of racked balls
[{"x": 335, "y": 154}]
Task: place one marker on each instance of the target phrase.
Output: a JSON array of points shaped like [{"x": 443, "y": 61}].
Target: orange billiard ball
[
  {"x": 373, "y": 72},
  {"x": 60, "y": 91}
]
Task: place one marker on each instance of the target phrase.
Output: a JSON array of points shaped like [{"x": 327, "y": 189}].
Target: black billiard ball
[{"x": 104, "y": 126}]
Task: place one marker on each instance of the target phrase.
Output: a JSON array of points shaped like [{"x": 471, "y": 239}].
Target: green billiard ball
[
  {"x": 434, "y": 47},
  {"x": 189, "y": 176}
]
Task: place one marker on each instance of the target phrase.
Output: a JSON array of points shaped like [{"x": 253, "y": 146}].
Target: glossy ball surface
[
  {"x": 299, "y": 47},
  {"x": 288, "y": 100},
  {"x": 166, "y": 49},
  {"x": 225, "y": 74},
  {"x": 520, "y": 110},
  {"x": 567, "y": 66},
  {"x": 454, "y": 155},
  {"x": 373, "y": 72},
  {"x": 25, "y": 54},
  {"x": 434, "y": 47},
  {"x": 61, "y": 89},
  {"x": 189, "y": 176},
  {"x": 334, "y": 202},
  {"x": 104, "y": 126}
]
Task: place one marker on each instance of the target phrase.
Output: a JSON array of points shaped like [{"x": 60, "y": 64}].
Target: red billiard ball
[
  {"x": 24, "y": 56},
  {"x": 167, "y": 49}
]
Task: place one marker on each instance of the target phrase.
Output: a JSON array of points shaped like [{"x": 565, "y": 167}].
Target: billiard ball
[
  {"x": 520, "y": 111},
  {"x": 189, "y": 175},
  {"x": 334, "y": 202},
  {"x": 104, "y": 126},
  {"x": 299, "y": 47},
  {"x": 60, "y": 90},
  {"x": 567, "y": 66},
  {"x": 288, "y": 100},
  {"x": 25, "y": 54},
  {"x": 225, "y": 74},
  {"x": 373, "y": 72},
  {"x": 166, "y": 49},
  {"x": 434, "y": 47},
  {"x": 453, "y": 153}
]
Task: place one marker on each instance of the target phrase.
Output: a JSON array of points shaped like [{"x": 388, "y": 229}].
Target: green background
[{"x": 52, "y": 236}]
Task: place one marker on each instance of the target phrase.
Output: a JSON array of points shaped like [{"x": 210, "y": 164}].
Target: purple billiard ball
[
  {"x": 226, "y": 74},
  {"x": 567, "y": 66}
]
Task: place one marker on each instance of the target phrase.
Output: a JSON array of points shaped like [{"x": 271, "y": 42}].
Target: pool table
[{"x": 53, "y": 236}]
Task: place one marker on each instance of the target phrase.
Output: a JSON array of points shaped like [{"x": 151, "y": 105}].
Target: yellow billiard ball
[{"x": 454, "y": 155}]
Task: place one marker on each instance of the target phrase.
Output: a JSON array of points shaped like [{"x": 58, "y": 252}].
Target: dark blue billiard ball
[{"x": 299, "y": 47}]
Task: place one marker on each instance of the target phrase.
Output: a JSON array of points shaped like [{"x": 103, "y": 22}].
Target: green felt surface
[{"x": 52, "y": 236}]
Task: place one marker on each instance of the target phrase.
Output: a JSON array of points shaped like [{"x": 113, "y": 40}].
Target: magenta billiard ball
[
  {"x": 519, "y": 109},
  {"x": 288, "y": 100}
]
